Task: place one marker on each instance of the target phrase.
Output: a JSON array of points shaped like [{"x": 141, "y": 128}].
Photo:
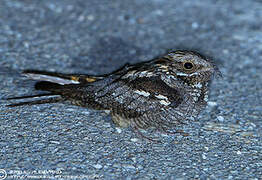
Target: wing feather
[{"x": 145, "y": 100}]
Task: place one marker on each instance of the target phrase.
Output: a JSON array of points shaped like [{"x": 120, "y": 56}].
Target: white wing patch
[
  {"x": 165, "y": 102},
  {"x": 163, "y": 99},
  {"x": 160, "y": 96},
  {"x": 142, "y": 93}
]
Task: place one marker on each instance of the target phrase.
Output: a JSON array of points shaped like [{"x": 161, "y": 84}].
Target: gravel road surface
[{"x": 96, "y": 37}]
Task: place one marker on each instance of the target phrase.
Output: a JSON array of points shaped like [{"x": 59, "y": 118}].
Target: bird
[{"x": 163, "y": 93}]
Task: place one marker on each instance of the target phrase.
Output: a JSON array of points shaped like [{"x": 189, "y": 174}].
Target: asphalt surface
[{"x": 97, "y": 37}]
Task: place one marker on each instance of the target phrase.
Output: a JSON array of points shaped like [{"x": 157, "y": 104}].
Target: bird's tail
[
  {"x": 50, "y": 99},
  {"x": 53, "y": 83},
  {"x": 60, "y": 78},
  {"x": 52, "y": 96}
]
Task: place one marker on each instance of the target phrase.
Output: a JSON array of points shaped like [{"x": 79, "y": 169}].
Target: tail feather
[
  {"x": 55, "y": 83},
  {"x": 50, "y": 77},
  {"x": 41, "y": 101},
  {"x": 53, "y": 89},
  {"x": 48, "y": 86},
  {"x": 60, "y": 78},
  {"x": 31, "y": 96}
]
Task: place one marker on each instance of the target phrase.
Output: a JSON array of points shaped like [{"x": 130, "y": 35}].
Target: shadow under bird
[{"x": 162, "y": 93}]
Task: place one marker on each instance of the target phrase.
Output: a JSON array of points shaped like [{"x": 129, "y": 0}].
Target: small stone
[
  {"x": 230, "y": 177},
  {"x": 71, "y": 109},
  {"x": 234, "y": 172},
  {"x": 211, "y": 103},
  {"x": 133, "y": 159},
  {"x": 118, "y": 130},
  {"x": 239, "y": 37},
  {"x": 195, "y": 25},
  {"x": 159, "y": 12},
  {"x": 55, "y": 150},
  {"x": 81, "y": 18},
  {"x": 117, "y": 165},
  {"x": 87, "y": 138},
  {"x": 97, "y": 166},
  {"x": 129, "y": 166},
  {"x": 108, "y": 125},
  {"x": 225, "y": 51},
  {"x": 139, "y": 167},
  {"x": 251, "y": 126},
  {"x": 90, "y": 17},
  {"x": 86, "y": 112},
  {"x": 55, "y": 142},
  {"x": 239, "y": 152},
  {"x": 204, "y": 156},
  {"x": 134, "y": 139},
  {"x": 26, "y": 45},
  {"x": 220, "y": 118}
]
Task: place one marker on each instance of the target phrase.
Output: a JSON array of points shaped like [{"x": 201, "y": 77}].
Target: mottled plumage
[{"x": 162, "y": 93}]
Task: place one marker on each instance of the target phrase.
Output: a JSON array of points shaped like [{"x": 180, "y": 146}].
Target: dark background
[{"x": 96, "y": 37}]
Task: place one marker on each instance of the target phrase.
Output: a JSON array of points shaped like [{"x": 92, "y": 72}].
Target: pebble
[
  {"x": 90, "y": 17},
  {"x": 118, "y": 130},
  {"x": 204, "y": 156},
  {"x": 97, "y": 166},
  {"x": 134, "y": 139},
  {"x": 220, "y": 118},
  {"x": 129, "y": 166},
  {"x": 86, "y": 112},
  {"x": 211, "y": 103},
  {"x": 239, "y": 152},
  {"x": 195, "y": 25},
  {"x": 55, "y": 142}
]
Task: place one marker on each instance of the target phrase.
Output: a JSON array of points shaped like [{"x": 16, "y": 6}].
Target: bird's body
[{"x": 162, "y": 93}]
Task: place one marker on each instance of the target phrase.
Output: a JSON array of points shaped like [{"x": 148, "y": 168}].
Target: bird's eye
[{"x": 188, "y": 65}]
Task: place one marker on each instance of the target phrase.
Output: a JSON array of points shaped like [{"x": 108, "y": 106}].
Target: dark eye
[{"x": 188, "y": 65}]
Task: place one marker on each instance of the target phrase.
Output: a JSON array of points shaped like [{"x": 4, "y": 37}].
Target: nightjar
[{"x": 162, "y": 93}]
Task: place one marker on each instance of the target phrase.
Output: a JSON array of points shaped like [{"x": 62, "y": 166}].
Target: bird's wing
[
  {"x": 64, "y": 79},
  {"x": 145, "y": 101}
]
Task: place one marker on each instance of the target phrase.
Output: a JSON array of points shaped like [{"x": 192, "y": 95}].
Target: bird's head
[{"x": 190, "y": 67}]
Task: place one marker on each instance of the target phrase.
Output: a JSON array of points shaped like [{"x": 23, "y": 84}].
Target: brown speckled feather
[{"x": 162, "y": 93}]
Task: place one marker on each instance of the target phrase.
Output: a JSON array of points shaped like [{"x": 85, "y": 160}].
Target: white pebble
[
  {"x": 55, "y": 142},
  {"x": 98, "y": 166},
  {"x": 194, "y": 25},
  {"x": 118, "y": 130},
  {"x": 134, "y": 139},
  {"x": 211, "y": 103},
  {"x": 239, "y": 152},
  {"x": 206, "y": 148},
  {"x": 90, "y": 17},
  {"x": 220, "y": 118},
  {"x": 204, "y": 156}
]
